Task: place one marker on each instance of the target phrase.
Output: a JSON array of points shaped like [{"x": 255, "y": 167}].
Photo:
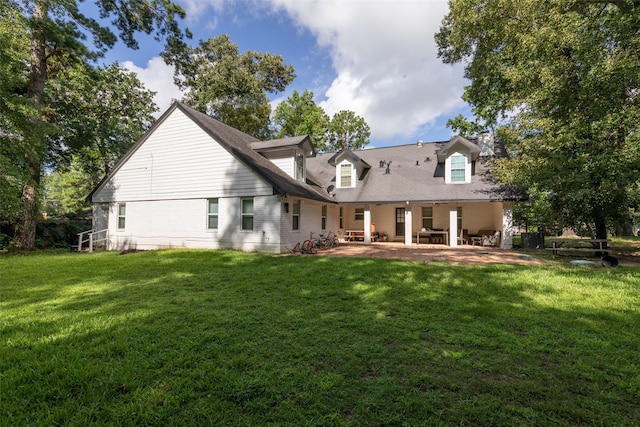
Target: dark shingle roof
[{"x": 415, "y": 175}]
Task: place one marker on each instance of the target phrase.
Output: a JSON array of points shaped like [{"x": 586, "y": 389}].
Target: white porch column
[
  {"x": 367, "y": 224},
  {"x": 453, "y": 226},
  {"x": 408, "y": 227},
  {"x": 507, "y": 227}
]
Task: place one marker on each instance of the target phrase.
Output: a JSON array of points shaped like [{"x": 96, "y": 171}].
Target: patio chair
[
  {"x": 491, "y": 240},
  {"x": 463, "y": 237}
]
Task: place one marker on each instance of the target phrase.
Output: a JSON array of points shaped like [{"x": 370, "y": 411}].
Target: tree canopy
[
  {"x": 300, "y": 115},
  {"x": 561, "y": 77},
  {"x": 56, "y": 34},
  {"x": 230, "y": 86}
]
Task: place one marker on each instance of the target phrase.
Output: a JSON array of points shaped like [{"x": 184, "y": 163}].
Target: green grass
[{"x": 230, "y": 338}]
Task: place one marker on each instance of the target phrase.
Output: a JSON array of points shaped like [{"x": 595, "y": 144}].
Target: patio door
[{"x": 400, "y": 221}]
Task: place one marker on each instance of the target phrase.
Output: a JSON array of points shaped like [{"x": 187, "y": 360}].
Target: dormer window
[
  {"x": 346, "y": 175},
  {"x": 299, "y": 167},
  {"x": 458, "y": 168}
]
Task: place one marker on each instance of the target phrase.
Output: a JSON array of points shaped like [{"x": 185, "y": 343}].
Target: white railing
[{"x": 92, "y": 237}]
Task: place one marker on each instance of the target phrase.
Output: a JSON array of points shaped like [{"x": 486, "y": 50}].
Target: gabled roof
[
  {"x": 238, "y": 144},
  {"x": 443, "y": 153}
]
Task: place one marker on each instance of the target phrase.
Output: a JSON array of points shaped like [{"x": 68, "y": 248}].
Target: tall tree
[
  {"x": 300, "y": 115},
  {"x": 102, "y": 112},
  {"x": 14, "y": 51},
  {"x": 563, "y": 78},
  {"x": 230, "y": 86},
  {"x": 347, "y": 130},
  {"x": 58, "y": 32}
]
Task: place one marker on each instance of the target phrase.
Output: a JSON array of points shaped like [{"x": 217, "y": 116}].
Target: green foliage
[
  {"x": 101, "y": 113},
  {"x": 562, "y": 75},
  {"x": 230, "y": 86},
  {"x": 347, "y": 130},
  {"x": 465, "y": 128},
  {"x": 56, "y": 33},
  {"x": 300, "y": 115},
  {"x": 232, "y": 338}
]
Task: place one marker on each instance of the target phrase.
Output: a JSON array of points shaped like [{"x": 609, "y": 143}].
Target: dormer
[
  {"x": 288, "y": 154},
  {"x": 458, "y": 157},
  {"x": 349, "y": 168}
]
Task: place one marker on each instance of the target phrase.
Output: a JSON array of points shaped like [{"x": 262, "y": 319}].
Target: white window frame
[
  {"x": 450, "y": 170},
  {"x": 211, "y": 215},
  {"x": 343, "y": 167},
  {"x": 246, "y": 214},
  {"x": 295, "y": 215},
  {"x": 427, "y": 217},
  {"x": 299, "y": 167},
  {"x": 323, "y": 217},
  {"x": 121, "y": 217}
]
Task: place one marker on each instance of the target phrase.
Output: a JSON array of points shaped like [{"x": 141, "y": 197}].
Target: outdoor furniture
[
  {"x": 463, "y": 237},
  {"x": 352, "y": 235},
  {"x": 433, "y": 236},
  {"x": 597, "y": 246},
  {"x": 486, "y": 238}
]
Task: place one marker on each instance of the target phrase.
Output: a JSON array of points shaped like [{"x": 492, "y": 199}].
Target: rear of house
[{"x": 194, "y": 182}]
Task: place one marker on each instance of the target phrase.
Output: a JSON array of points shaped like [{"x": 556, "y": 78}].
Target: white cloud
[
  {"x": 157, "y": 76},
  {"x": 385, "y": 58}
]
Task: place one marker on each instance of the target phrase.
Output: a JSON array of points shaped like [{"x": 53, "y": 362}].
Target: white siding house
[
  {"x": 194, "y": 182},
  {"x": 159, "y": 195}
]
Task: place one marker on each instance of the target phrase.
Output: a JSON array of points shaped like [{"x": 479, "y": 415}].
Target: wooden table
[
  {"x": 580, "y": 245},
  {"x": 430, "y": 233},
  {"x": 352, "y": 235}
]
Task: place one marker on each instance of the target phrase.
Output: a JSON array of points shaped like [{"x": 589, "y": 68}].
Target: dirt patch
[{"x": 429, "y": 253}]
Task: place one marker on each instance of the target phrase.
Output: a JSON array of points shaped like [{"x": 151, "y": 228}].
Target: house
[{"x": 192, "y": 181}]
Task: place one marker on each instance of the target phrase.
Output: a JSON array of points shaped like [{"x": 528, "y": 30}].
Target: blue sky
[{"x": 377, "y": 58}]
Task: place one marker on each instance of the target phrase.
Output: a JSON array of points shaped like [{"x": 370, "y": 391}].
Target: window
[
  {"x": 459, "y": 219},
  {"x": 299, "y": 167},
  {"x": 359, "y": 214},
  {"x": 295, "y": 219},
  {"x": 212, "y": 214},
  {"x": 323, "y": 218},
  {"x": 341, "y": 221},
  {"x": 122, "y": 211},
  {"x": 427, "y": 218},
  {"x": 458, "y": 168},
  {"x": 345, "y": 175},
  {"x": 247, "y": 214}
]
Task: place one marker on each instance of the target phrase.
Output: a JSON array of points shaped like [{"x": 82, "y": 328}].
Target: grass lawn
[{"x": 230, "y": 338}]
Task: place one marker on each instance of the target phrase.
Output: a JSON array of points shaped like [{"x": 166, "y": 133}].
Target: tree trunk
[{"x": 25, "y": 238}]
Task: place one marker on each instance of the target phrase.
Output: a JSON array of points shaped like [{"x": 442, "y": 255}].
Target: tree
[
  {"x": 14, "y": 50},
  {"x": 57, "y": 31},
  {"x": 465, "y": 128},
  {"x": 562, "y": 77},
  {"x": 101, "y": 113},
  {"x": 300, "y": 115},
  {"x": 230, "y": 86},
  {"x": 347, "y": 130}
]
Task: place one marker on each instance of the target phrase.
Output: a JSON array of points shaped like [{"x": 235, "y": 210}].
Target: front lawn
[{"x": 229, "y": 338}]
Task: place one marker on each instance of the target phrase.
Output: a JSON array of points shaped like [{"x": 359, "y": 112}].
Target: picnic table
[
  {"x": 597, "y": 246},
  {"x": 352, "y": 235}
]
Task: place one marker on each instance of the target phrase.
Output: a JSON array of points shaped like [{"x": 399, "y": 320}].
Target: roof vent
[
  {"x": 388, "y": 170},
  {"x": 382, "y": 163},
  {"x": 417, "y": 162},
  {"x": 420, "y": 143}
]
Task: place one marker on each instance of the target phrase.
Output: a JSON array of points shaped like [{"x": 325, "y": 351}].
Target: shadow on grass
[{"x": 223, "y": 337}]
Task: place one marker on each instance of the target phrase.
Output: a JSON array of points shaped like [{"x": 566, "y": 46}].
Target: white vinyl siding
[{"x": 179, "y": 160}]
